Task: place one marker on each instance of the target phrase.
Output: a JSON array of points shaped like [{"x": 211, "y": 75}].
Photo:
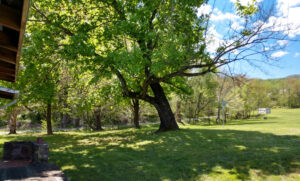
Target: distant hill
[{"x": 294, "y": 76}]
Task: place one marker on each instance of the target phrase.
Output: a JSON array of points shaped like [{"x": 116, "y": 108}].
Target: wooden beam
[
  {"x": 7, "y": 65},
  {"x": 7, "y": 43},
  {"x": 7, "y": 56},
  {"x": 7, "y": 71},
  {"x": 7, "y": 60},
  {"x": 25, "y": 9},
  {"x": 11, "y": 91},
  {"x": 10, "y": 17},
  {"x": 7, "y": 78},
  {"x": 6, "y": 95}
]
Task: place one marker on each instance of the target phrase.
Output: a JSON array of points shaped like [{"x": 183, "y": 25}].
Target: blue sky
[{"x": 286, "y": 12}]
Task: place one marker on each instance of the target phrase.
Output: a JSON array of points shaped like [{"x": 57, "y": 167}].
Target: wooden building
[{"x": 13, "y": 17}]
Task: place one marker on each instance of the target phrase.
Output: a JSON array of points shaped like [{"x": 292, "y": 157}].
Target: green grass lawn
[{"x": 257, "y": 149}]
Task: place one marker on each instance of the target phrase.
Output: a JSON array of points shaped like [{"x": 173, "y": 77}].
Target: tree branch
[{"x": 66, "y": 31}]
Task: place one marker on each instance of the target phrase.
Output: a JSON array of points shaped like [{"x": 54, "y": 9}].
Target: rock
[
  {"x": 18, "y": 150},
  {"x": 26, "y": 150},
  {"x": 41, "y": 152}
]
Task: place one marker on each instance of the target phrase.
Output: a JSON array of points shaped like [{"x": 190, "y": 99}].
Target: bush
[
  {"x": 44, "y": 124},
  {"x": 2, "y": 123},
  {"x": 35, "y": 118},
  {"x": 150, "y": 118}
]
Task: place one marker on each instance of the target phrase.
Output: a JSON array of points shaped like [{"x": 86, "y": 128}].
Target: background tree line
[
  {"x": 81, "y": 105},
  {"x": 243, "y": 95}
]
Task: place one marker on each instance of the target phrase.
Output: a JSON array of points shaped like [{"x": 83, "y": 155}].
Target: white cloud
[
  {"x": 284, "y": 6},
  {"x": 213, "y": 32},
  {"x": 287, "y": 20},
  {"x": 204, "y": 10},
  {"x": 282, "y": 42},
  {"x": 279, "y": 54},
  {"x": 213, "y": 40},
  {"x": 220, "y": 16},
  {"x": 297, "y": 54},
  {"x": 284, "y": 24},
  {"x": 236, "y": 26}
]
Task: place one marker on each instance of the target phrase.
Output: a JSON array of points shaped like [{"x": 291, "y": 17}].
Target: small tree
[
  {"x": 40, "y": 71},
  {"x": 203, "y": 100},
  {"x": 12, "y": 114}
]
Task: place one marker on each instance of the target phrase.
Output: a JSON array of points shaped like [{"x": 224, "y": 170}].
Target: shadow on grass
[
  {"x": 252, "y": 120},
  {"x": 237, "y": 123},
  {"x": 185, "y": 154},
  {"x": 249, "y": 122}
]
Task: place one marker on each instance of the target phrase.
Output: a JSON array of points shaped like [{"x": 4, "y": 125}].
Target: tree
[
  {"x": 151, "y": 46},
  {"x": 226, "y": 92},
  {"x": 293, "y": 92},
  {"x": 11, "y": 108},
  {"x": 255, "y": 94},
  {"x": 203, "y": 100},
  {"x": 12, "y": 114},
  {"x": 40, "y": 71},
  {"x": 135, "y": 104}
]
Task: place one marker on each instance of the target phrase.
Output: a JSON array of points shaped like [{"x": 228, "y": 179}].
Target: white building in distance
[{"x": 264, "y": 110}]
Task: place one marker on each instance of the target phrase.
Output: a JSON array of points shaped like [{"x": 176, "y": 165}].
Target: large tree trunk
[
  {"x": 136, "y": 113},
  {"x": 48, "y": 119},
  {"x": 12, "y": 117},
  {"x": 98, "y": 125},
  {"x": 161, "y": 103}
]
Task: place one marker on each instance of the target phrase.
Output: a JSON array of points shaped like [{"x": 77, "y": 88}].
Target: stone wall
[
  {"x": 18, "y": 150},
  {"x": 26, "y": 150}
]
